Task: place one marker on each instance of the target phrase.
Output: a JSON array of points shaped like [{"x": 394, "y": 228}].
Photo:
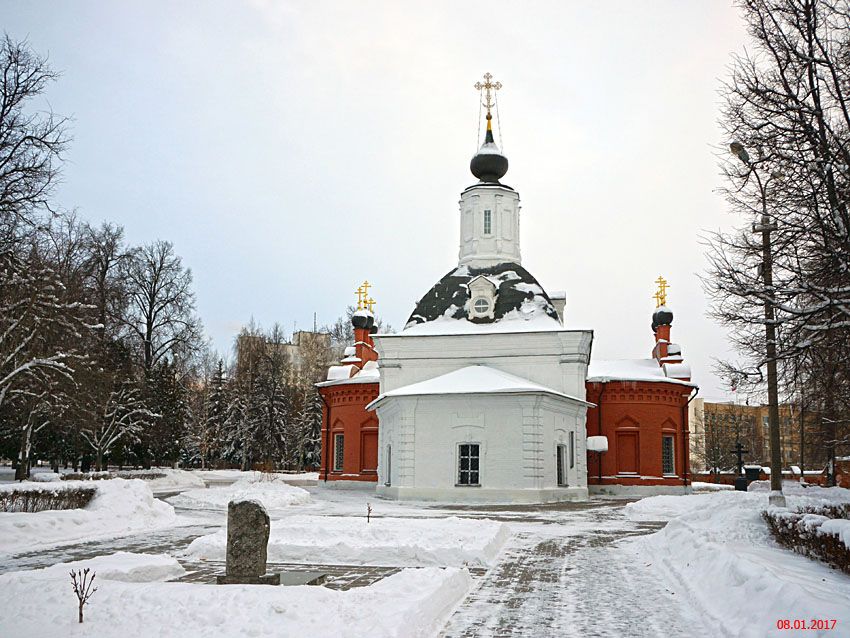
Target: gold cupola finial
[
  {"x": 660, "y": 295},
  {"x": 488, "y": 96},
  {"x": 363, "y": 299}
]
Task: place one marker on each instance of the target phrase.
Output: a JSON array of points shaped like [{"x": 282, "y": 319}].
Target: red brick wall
[
  {"x": 344, "y": 412},
  {"x": 635, "y": 415}
]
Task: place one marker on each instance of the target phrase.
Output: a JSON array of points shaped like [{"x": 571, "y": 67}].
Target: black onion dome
[
  {"x": 363, "y": 319},
  {"x": 517, "y": 290},
  {"x": 489, "y": 165},
  {"x": 662, "y": 316}
]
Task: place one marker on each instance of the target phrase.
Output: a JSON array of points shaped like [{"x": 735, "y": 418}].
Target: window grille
[
  {"x": 468, "y": 459},
  {"x": 339, "y": 451},
  {"x": 667, "y": 460}
]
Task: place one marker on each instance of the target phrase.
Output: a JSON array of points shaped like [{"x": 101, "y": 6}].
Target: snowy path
[
  {"x": 562, "y": 573},
  {"x": 570, "y": 578}
]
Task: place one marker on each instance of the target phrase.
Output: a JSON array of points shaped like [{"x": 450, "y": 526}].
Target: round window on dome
[{"x": 481, "y": 306}]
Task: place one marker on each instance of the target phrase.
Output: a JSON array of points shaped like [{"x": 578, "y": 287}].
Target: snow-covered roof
[
  {"x": 476, "y": 379},
  {"x": 512, "y": 322},
  {"x": 369, "y": 374},
  {"x": 602, "y": 371},
  {"x": 520, "y": 300}
]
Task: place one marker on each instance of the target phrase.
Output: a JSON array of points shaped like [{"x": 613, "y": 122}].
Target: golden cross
[
  {"x": 363, "y": 294},
  {"x": 661, "y": 294},
  {"x": 370, "y": 304},
  {"x": 487, "y": 87}
]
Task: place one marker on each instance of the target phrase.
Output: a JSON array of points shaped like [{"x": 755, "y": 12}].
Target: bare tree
[
  {"x": 30, "y": 142},
  {"x": 83, "y": 587},
  {"x": 161, "y": 310},
  {"x": 787, "y": 109}
]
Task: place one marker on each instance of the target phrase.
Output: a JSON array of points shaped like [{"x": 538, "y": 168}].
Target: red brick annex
[{"x": 349, "y": 431}]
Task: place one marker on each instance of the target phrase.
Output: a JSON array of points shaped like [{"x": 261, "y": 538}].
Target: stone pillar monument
[{"x": 247, "y": 545}]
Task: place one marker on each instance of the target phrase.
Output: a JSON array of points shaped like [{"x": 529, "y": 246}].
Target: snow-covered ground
[
  {"x": 120, "y": 507},
  {"x": 717, "y": 553},
  {"x": 603, "y": 569},
  {"x": 133, "y": 600},
  {"x": 272, "y": 490},
  {"x": 348, "y": 540}
]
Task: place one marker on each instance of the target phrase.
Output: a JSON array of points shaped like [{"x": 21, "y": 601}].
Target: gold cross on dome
[
  {"x": 660, "y": 295},
  {"x": 363, "y": 295},
  {"x": 489, "y": 90},
  {"x": 370, "y": 304}
]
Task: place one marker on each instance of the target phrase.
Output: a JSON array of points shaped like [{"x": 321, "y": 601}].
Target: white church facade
[{"x": 482, "y": 395}]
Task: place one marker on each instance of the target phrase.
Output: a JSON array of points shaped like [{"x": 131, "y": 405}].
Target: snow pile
[
  {"x": 174, "y": 481},
  {"x": 700, "y": 486},
  {"x": 126, "y": 567},
  {"x": 46, "y": 477},
  {"x": 351, "y": 540},
  {"x": 413, "y": 602},
  {"x": 717, "y": 552},
  {"x": 120, "y": 507},
  {"x": 271, "y": 490}
]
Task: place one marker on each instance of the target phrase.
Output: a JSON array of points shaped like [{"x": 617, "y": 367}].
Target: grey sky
[{"x": 292, "y": 149}]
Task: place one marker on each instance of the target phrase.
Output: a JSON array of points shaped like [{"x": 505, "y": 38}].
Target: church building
[{"x": 485, "y": 395}]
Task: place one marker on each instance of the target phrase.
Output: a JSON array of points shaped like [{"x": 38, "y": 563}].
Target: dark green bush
[
  {"x": 801, "y": 532},
  {"x": 46, "y": 498}
]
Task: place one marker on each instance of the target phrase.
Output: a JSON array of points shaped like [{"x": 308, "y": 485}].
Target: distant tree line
[
  {"x": 102, "y": 355},
  {"x": 786, "y": 108}
]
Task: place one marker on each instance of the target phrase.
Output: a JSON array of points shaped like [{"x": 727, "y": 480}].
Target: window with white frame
[
  {"x": 668, "y": 465},
  {"x": 572, "y": 450},
  {"x": 468, "y": 464},
  {"x": 488, "y": 222},
  {"x": 560, "y": 464},
  {"x": 339, "y": 451},
  {"x": 389, "y": 465}
]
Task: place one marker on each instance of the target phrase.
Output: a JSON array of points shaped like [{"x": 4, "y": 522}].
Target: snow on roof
[
  {"x": 369, "y": 374},
  {"x": 363, "y": 313},
  {"x": 602, "y": 371},
  {"x": 677, "y": 370},
  {"x": 339, "y": 372},
  {"x": 473, "y": 380},
  {"x": 511, "y": 322},
  {"x": 518, "y": 296},
  {"x": 489, "y": 148}
]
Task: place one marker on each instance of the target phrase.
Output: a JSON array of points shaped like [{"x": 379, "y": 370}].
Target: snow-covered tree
[
  {"x": 124, "y": 417},
  {"x": 310, "y": 428}
]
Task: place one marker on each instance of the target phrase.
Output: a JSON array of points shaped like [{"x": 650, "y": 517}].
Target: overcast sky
[{"x": 292, "y": 149}]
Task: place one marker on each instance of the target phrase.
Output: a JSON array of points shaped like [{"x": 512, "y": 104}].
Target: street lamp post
[{"x": 765, "y": 228}]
